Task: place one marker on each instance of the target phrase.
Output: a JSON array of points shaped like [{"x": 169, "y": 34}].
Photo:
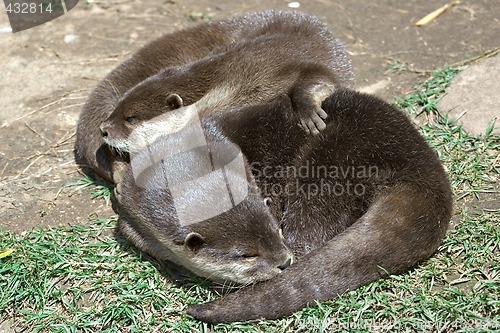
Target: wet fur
[{"x": 341, "y": 241}]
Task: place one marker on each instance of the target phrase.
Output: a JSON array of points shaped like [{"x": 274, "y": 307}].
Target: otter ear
[
  {"x": 194, "y": 241},
  {"x": 174, "y": 101}
]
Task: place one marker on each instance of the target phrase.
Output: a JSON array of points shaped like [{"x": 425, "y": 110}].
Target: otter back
[{"x": 257, "y": 56}]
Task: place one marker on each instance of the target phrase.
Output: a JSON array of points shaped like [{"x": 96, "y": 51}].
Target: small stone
[
  {"x": 5, "y": 29},
  {"x": 474, "y": 93},
  {"x": 70, "y": 38}
]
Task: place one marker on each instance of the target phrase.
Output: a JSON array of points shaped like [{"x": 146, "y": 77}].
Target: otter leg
[
  {"x": 119, "y": 166},
  {"x": 307, "y": 99}
]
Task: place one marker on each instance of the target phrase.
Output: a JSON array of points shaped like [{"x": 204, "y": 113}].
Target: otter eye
[
  {"x": 268, "y": 201},
  {"x": 249, "y": 256},
  {"x": 130, "y": 119}
]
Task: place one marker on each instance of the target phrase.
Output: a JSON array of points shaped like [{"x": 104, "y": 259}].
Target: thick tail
[{"x": 404, "y": 225}]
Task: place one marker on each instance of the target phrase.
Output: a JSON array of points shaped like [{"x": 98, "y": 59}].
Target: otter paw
[
  {"x": 307, "y": 100},
  {"x": 315, "y": 123},
  {"x": 119, "y": 167},
  {"x": 117, "y": 192}
]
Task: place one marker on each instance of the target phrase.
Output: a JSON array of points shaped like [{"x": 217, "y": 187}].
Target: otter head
[
  {"x": 230, "y": 232},
  {"x": 142, "y": 104},
  {"x": 243, "y": 245},
  {"x": 192, "y": 194}
]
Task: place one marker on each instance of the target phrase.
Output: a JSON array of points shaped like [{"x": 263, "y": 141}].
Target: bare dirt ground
[{"x": 48, "y": 71}]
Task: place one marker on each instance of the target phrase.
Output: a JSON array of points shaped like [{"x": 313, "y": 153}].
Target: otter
[
  {"x": 250, "y": 72},
  {"x": 392, "y": 212},
  {"x": 364, "y": 199},
  {"x": 199, "y": 208},
  {"x": 243, "y": 60}
]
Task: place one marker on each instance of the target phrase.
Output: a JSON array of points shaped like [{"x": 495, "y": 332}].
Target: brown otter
[
  {"x": 255, "y": 54},
  {"x": 251, "y": 72},
  {"x": 366, "y": 198},
  {"x": 396, "y": 220},
  {"x": 200, "y": 208}
]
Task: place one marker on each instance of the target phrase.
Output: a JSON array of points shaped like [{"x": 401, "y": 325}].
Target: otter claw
[
  {"x": 304, "y": 125},
  {"x": 321, "y": 113}
]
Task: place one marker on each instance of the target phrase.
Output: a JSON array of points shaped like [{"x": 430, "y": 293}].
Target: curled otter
[
  {"x": 341, "y": 237},
  {"x": 244, "y": 60}
]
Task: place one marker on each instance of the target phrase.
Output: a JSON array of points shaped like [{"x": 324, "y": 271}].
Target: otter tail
[{"x": 404, "y": 225}]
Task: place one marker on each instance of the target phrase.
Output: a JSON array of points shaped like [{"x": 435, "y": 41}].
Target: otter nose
[
  {"x": 103, "y": 128},
  {"x": 286, "y": 264}
]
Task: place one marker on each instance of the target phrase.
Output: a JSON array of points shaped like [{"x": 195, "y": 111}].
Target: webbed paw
[{"x": 117, "y": 192}]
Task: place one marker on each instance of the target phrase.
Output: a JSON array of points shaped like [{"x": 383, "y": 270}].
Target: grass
[
  {"x": 82, "y": 279},
  {"x": 471, "y": 161},
  {"x": 101, "y": 190}
]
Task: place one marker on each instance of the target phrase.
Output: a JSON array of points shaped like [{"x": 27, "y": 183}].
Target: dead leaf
[{"x": 432, "y": 16}]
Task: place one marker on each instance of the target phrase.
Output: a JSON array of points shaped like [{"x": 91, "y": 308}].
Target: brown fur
[
  {"x": 274, "y": 48},
  {"x": 341, "y": 240}
]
